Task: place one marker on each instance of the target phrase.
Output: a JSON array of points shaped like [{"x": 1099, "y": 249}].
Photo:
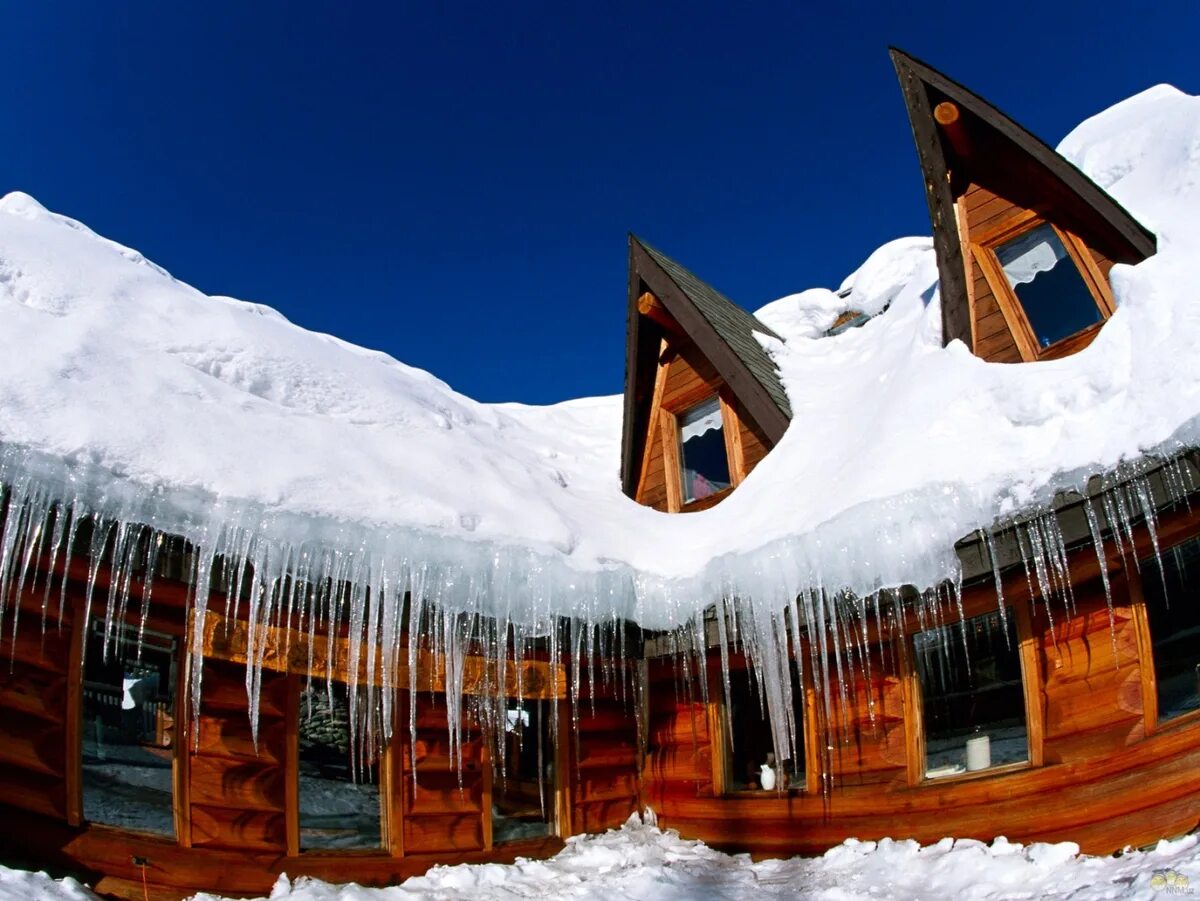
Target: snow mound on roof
[{"x": 153, "y": 402}]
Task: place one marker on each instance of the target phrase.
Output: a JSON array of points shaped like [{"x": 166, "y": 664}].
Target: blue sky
[{"x": 453, "y": 184}]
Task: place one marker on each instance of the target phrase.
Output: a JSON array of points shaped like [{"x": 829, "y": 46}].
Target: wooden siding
[
  {"x": 237, "y": 792},
  {"x": 443, "y": 813},
  {"x": 682, "y": 738},
  {"x": 604, "y": 757},
  {"x": 34, "y": 750}
]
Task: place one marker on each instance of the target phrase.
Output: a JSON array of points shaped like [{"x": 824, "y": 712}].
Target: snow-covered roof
[{"x": 141, "y": 398}]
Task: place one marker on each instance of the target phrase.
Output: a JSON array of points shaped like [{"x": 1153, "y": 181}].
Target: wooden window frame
[
  {"x": 391, "y": 826},
  {"x": 1031, "y": 687},
  {"x": 720, "y": 739},
  {"x": 1151, "y": 719},
  {"x": 669, "y": 432},
  {"x": 983, "y": 251},
  {"x": 181, "y": 740}
]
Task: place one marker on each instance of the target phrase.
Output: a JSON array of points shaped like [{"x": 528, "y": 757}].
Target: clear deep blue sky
[{"x": 454, "y": 184}]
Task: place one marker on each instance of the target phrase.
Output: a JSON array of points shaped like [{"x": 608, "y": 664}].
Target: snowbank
[{"x": 642, "y": 862}]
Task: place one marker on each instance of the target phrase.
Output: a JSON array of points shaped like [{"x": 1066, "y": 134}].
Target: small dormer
[
  {"x": 703, "y": 400},
  {"x": 1024, "y": 240}
]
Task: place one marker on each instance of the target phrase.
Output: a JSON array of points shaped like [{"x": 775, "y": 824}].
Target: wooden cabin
[{"x": 1059, "y": 704}]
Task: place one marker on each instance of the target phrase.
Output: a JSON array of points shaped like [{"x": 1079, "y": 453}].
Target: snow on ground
[{"x": 642, "y": 863}]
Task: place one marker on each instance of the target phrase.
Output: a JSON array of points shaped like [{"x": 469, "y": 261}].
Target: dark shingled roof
[{"x": 731, "y": 322}]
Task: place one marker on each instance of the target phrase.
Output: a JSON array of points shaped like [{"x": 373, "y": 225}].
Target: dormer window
[
  {"x": 1047, "y": 285},
  {"x": 1054, "y": 297},
  {"x": 703, "y": 459}
]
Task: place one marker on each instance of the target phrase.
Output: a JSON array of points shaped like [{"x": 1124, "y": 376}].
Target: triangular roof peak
[
  {"x": 991, "y": 147},
  {"x": 721, "y": 330}
]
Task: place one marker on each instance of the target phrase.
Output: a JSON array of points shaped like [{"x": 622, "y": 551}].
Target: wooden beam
[
  {"x": 660, "y": 383},
  {"x": 669, "y": 434},
  {"x": 732, "y": 428},
  {"x": 227, "y": 639},
  {"x": 652, "y": 308},
  {"x": 947, "y": 116},
  {"x": 1031, "y": 682}
]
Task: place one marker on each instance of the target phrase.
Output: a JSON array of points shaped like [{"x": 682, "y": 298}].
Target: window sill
[
  {"x": 972, "y": 775},
  {"x": 1073, "y": 343},
  {"x": 705, "y": 502},
  {"x": 745, "y": 793}
]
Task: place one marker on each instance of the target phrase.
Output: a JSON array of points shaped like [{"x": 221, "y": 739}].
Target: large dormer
[
  {"x": 703, "y": 400},
  {"x": 1024, "y": 240}
]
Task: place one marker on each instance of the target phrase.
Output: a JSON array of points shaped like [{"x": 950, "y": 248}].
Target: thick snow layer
[
  {"x": 642, "y": 862},
  {"x": 152, "y": 402}
]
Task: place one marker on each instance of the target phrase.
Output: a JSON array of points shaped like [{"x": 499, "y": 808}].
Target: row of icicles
[{"x": 391, "y": 616}]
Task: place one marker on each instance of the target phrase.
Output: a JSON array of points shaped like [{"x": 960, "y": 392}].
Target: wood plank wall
[
  {"x": 34, "y": 669},
  {"x": 681, "y": 738},
  {"x": 603, "y": 757},
  {"x": 986, "y": 211},
  {"x": 237, "y": 792},
  {"x": 868, "y": 735},
  {"x": 1091, "y": 676},
  {"x": 440, "y": 813}
]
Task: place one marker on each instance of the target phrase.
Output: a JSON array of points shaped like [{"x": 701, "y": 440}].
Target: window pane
[
  {"x": 129, "y": 730},
  {"x": 1175, "y": 627},
  {"x": 523, "y": 794},
  {"x": 339, "y": 788},
  {"x": 702, "y": 443},
  {"x": 1056, "y": 299},
  {"x": 974, "y": 704},
  {"x": 750, "y": 728}
]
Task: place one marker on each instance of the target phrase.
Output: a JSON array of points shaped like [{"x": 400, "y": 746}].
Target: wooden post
[
  {"x": 564, "y": 802},
  {"x": 669, "y": 431},
  {"x": 1145, "y": 646},
  {"x": 291, "y": 765},
  {"x": 485, "y": 761},
  {"x": 1031, "y": 682},
  {"x": 73, "y": 725},
  {"x": 181, "y": 750}
]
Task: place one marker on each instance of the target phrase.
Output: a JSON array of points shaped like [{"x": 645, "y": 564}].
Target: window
[
  {"x": 1056, "y": 300},
  {"x": 972, "y": 698},
  {"x": 340, "y": 803},
  {"x": 128, "y": 729},
  {"x": 1174, "y": 619},
  {"x": 523, "y": 788},
  {"x": 702, "y": 455},
  {"x": 752, "y": 739}
]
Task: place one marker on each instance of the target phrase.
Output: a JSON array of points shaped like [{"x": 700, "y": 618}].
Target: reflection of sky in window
[
  {"x": 703, "y": 458},
  {"x": 1057, "y": 302}
]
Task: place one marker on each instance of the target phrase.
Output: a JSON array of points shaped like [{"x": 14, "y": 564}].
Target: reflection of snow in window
[
  {"x": 128, "y": 729},
  {"x": 1038, "y": 250},
  {"x": 1055, "y": 298},
  {"x": 702, "y": 451}
]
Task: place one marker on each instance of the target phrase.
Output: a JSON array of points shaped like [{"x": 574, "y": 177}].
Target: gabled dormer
[
  {"x": 703, "y": 400},
  {"x": 1024, "y": 240}
]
